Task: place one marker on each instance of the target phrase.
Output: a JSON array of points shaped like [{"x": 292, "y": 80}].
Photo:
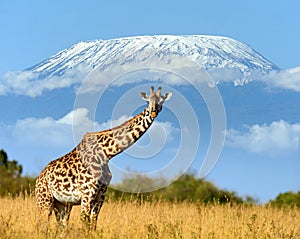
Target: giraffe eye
[
  {"x": 161, "y": 101},
  {"x": 159, "y": 107}
]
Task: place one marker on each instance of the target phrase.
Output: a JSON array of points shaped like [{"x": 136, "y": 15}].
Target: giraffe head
[{"x": 155, "y": 100}]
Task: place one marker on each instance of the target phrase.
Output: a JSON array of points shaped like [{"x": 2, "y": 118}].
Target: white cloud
[
  {"x": 167, "y": 127},
  {"x": 49, "y": 131},
  {"x": 40, "y": 131},
  {"x": 69, "y": 129},
  {"x": 286, "y": 79},
  {"x": 159, "y": 135},
  {"x": 159, "y": 129},
  {"x": 170, "y": 69},
  {"x": 18, "y": 82},
  {"x": 276, "y": 138},
  {"x": 112, "y": 123},
  {"x": 119, "y": 75},
  {"x": 230, "y": 75},
  {"x": 34, "y": 84},
  {"x": 87, "y": 80}
]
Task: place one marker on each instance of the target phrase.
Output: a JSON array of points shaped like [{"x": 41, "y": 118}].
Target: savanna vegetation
[
  {"x": 160, "y": 219},
  {"x": 188, "y": 208}
]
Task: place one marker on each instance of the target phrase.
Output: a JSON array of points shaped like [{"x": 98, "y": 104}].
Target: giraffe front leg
[
  {"x": 96, "y": 206},
  {"x": 43, "y": 221},
  {"x": 85, "y": 212},
  {"x": 89, "y": 216},
  {"x": 90, "y": 209},
  {"x": 44, "y": 202},
  {"x": 62, "y": 213}
]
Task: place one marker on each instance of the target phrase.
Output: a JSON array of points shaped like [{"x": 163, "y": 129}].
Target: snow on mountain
[{"x": 213, "y": 53}]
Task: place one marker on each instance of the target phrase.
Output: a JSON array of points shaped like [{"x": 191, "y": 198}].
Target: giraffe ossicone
[{"x": 81, "y": 177}]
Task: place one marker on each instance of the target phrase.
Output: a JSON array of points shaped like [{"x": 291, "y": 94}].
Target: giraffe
[{"x": 81, "y": 177}]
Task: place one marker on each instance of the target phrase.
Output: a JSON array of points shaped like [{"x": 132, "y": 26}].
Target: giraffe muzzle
[{"x": 153, "y": 114}]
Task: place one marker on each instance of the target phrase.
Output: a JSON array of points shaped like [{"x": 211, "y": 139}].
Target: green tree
[
  {"x": 10, "y": 167},
  {"x": 11, "y": 180},
  {"x": 288, "y": 199},
  {"x": 189, "y": 188}
]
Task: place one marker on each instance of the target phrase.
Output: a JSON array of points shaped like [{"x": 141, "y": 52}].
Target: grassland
[{"x": 158, "y": 220}]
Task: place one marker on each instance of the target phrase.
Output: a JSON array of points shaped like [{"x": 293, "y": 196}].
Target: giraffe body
[{"x": 81, "y": 177}]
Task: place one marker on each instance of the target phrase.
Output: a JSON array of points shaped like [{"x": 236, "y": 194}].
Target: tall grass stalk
[{"x": 135, "y": 219}]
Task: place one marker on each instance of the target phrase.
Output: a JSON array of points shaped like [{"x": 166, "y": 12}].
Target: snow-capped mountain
[{"x": 211, "y": 52}]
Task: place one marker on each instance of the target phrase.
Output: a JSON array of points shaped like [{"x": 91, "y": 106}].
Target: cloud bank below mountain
[{"x": 29, "y": 84}]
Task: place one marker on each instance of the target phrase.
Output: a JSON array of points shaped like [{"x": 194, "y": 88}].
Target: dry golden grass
[{"x": 157, "y": 220}]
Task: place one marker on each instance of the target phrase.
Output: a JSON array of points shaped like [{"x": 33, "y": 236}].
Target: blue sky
[{"x": 32, "y": 31}]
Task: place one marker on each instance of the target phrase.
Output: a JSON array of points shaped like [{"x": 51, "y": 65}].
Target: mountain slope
[{"x": 211, "y": 52}]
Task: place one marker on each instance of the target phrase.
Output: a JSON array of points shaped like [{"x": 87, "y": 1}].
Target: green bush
[
  {"x": 186, "y": 188},
  {"x": 288, "y": 199},
  {"x": 11, "y": 180}
]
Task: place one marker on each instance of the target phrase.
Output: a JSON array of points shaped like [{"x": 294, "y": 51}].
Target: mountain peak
[{"x": 212, "y": 53}]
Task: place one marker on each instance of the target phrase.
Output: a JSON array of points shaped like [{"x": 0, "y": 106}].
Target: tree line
[
  {"x": 186, "y": 188},
  {"x": 11, "y": 180}
]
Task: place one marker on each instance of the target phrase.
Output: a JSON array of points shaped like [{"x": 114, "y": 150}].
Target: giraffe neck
[
  {"x": 107, "y": 144},
  {"x": 130, "y": 131}
]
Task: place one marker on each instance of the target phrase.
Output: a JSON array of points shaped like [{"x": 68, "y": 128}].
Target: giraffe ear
[
  {"x": 144, "y": 96},
  {"x": 168, "y": 96}
]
